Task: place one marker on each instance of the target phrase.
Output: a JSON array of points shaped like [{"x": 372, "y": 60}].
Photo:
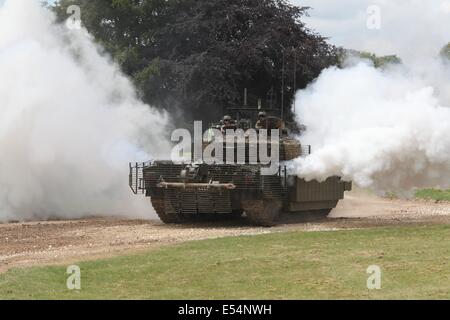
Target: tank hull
[
  {"x": 182, "y": 193},
  {"x": 314, "y": 195}
]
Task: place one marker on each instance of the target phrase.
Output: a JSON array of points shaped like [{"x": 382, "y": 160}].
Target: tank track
[
  {"x": 324, "y": 213},
  {"x": 172, "y": 218},
  {"x": 236, "y": 214},
  {"x": 263, "y": 213},
  {"x": 313, "y": 215},
  {"x": 168, "y": 218}
]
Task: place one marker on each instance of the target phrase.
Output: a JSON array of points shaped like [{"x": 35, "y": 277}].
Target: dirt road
[{"x": 64, "y": 242}]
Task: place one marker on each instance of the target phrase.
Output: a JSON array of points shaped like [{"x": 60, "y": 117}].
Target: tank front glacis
[{"x": 181, "y": 193}]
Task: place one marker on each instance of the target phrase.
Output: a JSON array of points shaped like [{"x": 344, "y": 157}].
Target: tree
[
  {"x": 199, "y": 55},
  {"x": 445, "y": 52},
  {"x": 378, "y": 61}
]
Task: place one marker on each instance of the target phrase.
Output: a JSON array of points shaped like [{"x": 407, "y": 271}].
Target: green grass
[
  {"x": 327, "y": 265},
  {"x": 434, "y": 194}
]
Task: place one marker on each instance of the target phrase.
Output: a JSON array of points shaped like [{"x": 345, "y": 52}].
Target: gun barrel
[{"x": 180, "y": 185}]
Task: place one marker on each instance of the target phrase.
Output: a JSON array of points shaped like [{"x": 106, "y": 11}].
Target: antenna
[
  {"x": 282, "y": 89},
  {"x": 295, "y": 78},
  {"x": 245, "y": 97}
]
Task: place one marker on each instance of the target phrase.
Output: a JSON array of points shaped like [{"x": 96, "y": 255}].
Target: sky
[{"x": 412, "y": 29}]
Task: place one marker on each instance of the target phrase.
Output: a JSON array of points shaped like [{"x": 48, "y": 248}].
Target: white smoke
[
  {"x": 388, "y": 129},
  {"x": 69, "y": 122}
]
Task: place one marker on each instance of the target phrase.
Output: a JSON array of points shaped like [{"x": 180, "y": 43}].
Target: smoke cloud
[
  {"x": 387, "y": 129},
  {"x": 69, "y": 122}
]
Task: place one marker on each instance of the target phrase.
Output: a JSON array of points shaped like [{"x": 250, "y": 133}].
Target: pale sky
[{"x": 409, "y": 28}]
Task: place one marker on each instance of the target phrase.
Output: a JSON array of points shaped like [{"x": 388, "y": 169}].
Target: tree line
[{"x": 195, "y": 57}]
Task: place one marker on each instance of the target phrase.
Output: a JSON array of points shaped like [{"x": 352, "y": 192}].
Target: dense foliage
[{"x": 197, "y": 56}]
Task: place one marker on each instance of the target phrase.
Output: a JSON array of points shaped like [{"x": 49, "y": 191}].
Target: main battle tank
[{"x": 185, "y": 192}]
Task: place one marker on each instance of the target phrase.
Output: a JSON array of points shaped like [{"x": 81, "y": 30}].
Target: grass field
[
  {"x": 326, "y": 265},
  {"x": 434, "y": 194}
]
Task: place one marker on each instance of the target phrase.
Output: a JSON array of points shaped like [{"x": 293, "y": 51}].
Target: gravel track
[{"x": 65, "y": 242}]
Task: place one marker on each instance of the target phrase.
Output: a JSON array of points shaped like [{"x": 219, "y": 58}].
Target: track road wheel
[
  {"x": 159, "y": 206},
  {"x": 263, "y": 213}
]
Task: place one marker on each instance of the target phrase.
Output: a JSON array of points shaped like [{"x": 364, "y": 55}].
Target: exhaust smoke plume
[
  {"x": 69, "y": 122},
  {"x": 387, "y": 129}
]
